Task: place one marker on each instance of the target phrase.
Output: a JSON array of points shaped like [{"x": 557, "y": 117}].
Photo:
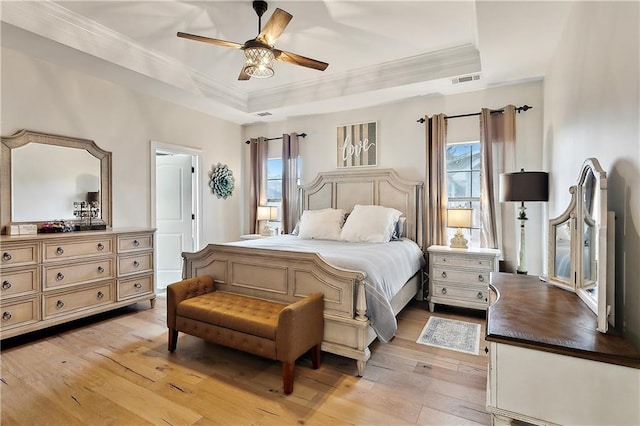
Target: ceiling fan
[{"x": 259, "y": 53}]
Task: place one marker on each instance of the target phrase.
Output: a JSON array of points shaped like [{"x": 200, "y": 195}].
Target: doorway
[{"x": 175, "y": 208}]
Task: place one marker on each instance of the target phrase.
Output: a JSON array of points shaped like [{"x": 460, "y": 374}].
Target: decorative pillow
[
  {"x": 321, "y": 224},
  {"x": 370, "y": 224},
  {"x": 399, "y": 230},
  {"x": 296, "y": 230}
]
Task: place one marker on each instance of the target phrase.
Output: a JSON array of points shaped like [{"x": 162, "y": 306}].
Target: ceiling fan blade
[
  {"x": 243, "y": 75},
  {"x": 294, "y": 58},
  {"x": 274, "y": 27},
  {"x": 211, "y": 40}
]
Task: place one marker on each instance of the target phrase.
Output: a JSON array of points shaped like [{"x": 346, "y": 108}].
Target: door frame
[{"x": 196, "y": 159}]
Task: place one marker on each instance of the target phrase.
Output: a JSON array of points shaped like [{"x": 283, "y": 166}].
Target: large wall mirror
[
  {"x": 581, "y": 256},
  {"x": 44, "y": 174}
]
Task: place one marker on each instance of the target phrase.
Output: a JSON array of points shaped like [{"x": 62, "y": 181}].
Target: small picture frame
[{"x": 357, "y": 145}]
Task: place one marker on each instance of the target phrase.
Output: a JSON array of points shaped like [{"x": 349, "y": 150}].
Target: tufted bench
[{"x": 273, "y": 330}]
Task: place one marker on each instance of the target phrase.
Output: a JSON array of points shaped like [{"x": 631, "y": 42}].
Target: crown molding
[
  {"x": 429, "y": 66},
  {"x": 54, "y": 22},
  {"x": 66, "y": 27}
]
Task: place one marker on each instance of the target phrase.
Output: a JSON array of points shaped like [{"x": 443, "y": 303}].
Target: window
[
  {"x": 274, "y": 180},
  {"x": 463, "y": 183}
]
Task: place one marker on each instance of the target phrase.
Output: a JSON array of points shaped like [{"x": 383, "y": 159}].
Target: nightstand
[{"x": 460, "y": 277}]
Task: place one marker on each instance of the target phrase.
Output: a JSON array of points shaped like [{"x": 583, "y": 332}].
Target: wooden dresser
[
  {"x": 49, "y": 279},
  {"x": 460, "y": 277},
  {"x": 549, "y": 365}
]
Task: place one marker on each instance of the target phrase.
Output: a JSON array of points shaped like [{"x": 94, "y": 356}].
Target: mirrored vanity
[
  {"x": 551, "y": 358},
  {"x": 62, "y": 260},
  {"x": 581, "y": 245}
]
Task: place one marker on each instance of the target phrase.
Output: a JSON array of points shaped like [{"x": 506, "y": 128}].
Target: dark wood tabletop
[{"x": 533, "y": 314}]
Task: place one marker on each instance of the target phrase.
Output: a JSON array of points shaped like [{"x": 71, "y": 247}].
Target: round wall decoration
[{"x": 221, "y": 181}]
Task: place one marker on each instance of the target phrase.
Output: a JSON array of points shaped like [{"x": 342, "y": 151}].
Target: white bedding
[{"x": 388, "y": 266}]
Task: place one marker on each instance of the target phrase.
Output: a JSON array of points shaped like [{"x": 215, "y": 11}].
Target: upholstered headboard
[{"x": 342, "y": 189}]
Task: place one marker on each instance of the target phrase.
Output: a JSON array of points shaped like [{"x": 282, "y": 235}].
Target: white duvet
[{"x": 387, "y": 266}]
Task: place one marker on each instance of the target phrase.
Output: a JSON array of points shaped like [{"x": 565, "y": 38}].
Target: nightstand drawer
[
  {"x": 481, "y": 263},
  {"x": 444, "y": 290},
  {"x": 461, "y": 276}
]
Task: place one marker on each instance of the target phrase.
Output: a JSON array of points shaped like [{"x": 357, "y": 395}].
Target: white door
[{"x": 174, "y": 215}]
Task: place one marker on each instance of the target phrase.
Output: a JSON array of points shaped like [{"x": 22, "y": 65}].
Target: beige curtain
[
  {"x": 497, "y": 148},
  {"x": 435, "y": 231},
  {"x": 258, "y": 190},
  {"x": 290, "y": 154}
]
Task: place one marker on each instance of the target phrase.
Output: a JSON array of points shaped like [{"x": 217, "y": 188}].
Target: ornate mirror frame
[
  {"x": 591, "y": 271},
  {"x": 24, "y": 137}
]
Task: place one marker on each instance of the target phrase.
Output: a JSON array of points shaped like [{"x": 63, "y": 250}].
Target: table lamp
[
  {"x": 267, "y": 213},
  {"x": 459, "y": 218},
  {"x": 523, "y": 186}
]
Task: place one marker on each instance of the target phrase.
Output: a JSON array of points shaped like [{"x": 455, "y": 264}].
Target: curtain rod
[
  {"x": 302, "y": 135},
  {"x": 518, "y": 110}
]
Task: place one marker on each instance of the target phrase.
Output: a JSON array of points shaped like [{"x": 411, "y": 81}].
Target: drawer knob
[
  {"x": 59, "y": 251},
  {"x": 444, "y": 290},
  {"x": 100, "y": 269},
  {"x": 100, "y": 295},
  {"x": 6, "y": 285},
  {"x": 59, "y": 276},
  {"x": 59, "y": 304},
  {"x": 100, "y": 246},
  {"x": 480, "y": 296},
  {"x": 6, "y": 316},
  {"x": 480, "y": 278},
  {"x": 136, "y": 263},
  {"x": 136, "y": 243},
  {"x": 137, "y": 285},
  {"x": 444, "y": 274},
  {"x": 6, "y": 256}
]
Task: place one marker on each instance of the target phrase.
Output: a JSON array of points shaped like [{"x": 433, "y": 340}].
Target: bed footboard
[{"x": 287, "y": 276}]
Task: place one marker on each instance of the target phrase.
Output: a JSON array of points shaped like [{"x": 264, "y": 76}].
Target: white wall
[
  {"x": 41, "y": 96},
  {"x": 591, "y": 109},
  {"x": 401, "y": 140}
]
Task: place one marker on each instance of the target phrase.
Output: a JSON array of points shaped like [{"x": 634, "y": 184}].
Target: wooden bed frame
[{"x": 288, "y": 276}]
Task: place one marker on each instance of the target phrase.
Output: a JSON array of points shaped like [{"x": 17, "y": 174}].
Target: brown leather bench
[{"x": 273, "y": 330}]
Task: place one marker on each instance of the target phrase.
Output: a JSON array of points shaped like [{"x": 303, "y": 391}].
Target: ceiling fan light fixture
[{"x": 258, "y": 62}]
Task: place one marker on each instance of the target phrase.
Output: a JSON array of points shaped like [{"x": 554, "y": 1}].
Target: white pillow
[
  {"x": 370, "y": 224},
  {"x": 321, "y": 224}
]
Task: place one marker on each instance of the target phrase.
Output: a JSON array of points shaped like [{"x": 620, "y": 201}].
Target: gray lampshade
[{"x": 524, "y": 186}]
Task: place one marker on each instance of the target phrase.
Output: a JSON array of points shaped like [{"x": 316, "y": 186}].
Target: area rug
[{"x": 451, "y": 334}]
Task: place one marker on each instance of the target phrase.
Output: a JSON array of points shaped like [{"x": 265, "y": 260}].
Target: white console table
[{"x": 549, "y": 365}]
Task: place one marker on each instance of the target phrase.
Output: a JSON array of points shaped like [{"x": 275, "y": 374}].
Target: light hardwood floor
[{"x": 116, "y": 370}]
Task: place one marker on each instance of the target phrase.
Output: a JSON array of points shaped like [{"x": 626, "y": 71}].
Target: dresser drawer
[
  {"x": 135, "y": 286},
  {"x": 66, "y": 302},
  {"x": 461, "y": 276},
  {"x": 20, "y": 312},
  {"x": 478, "y": 263},
  {"x": 129, "y": 243},
  {"x": 135, "y": 264},
  {"x": 19, "y": 254},
  {"x": 68, "y": 250},
  {"x": 18, "y": 282},
  {"x": 55, "y": 276},
  {"x": 445, "y": 290}
]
